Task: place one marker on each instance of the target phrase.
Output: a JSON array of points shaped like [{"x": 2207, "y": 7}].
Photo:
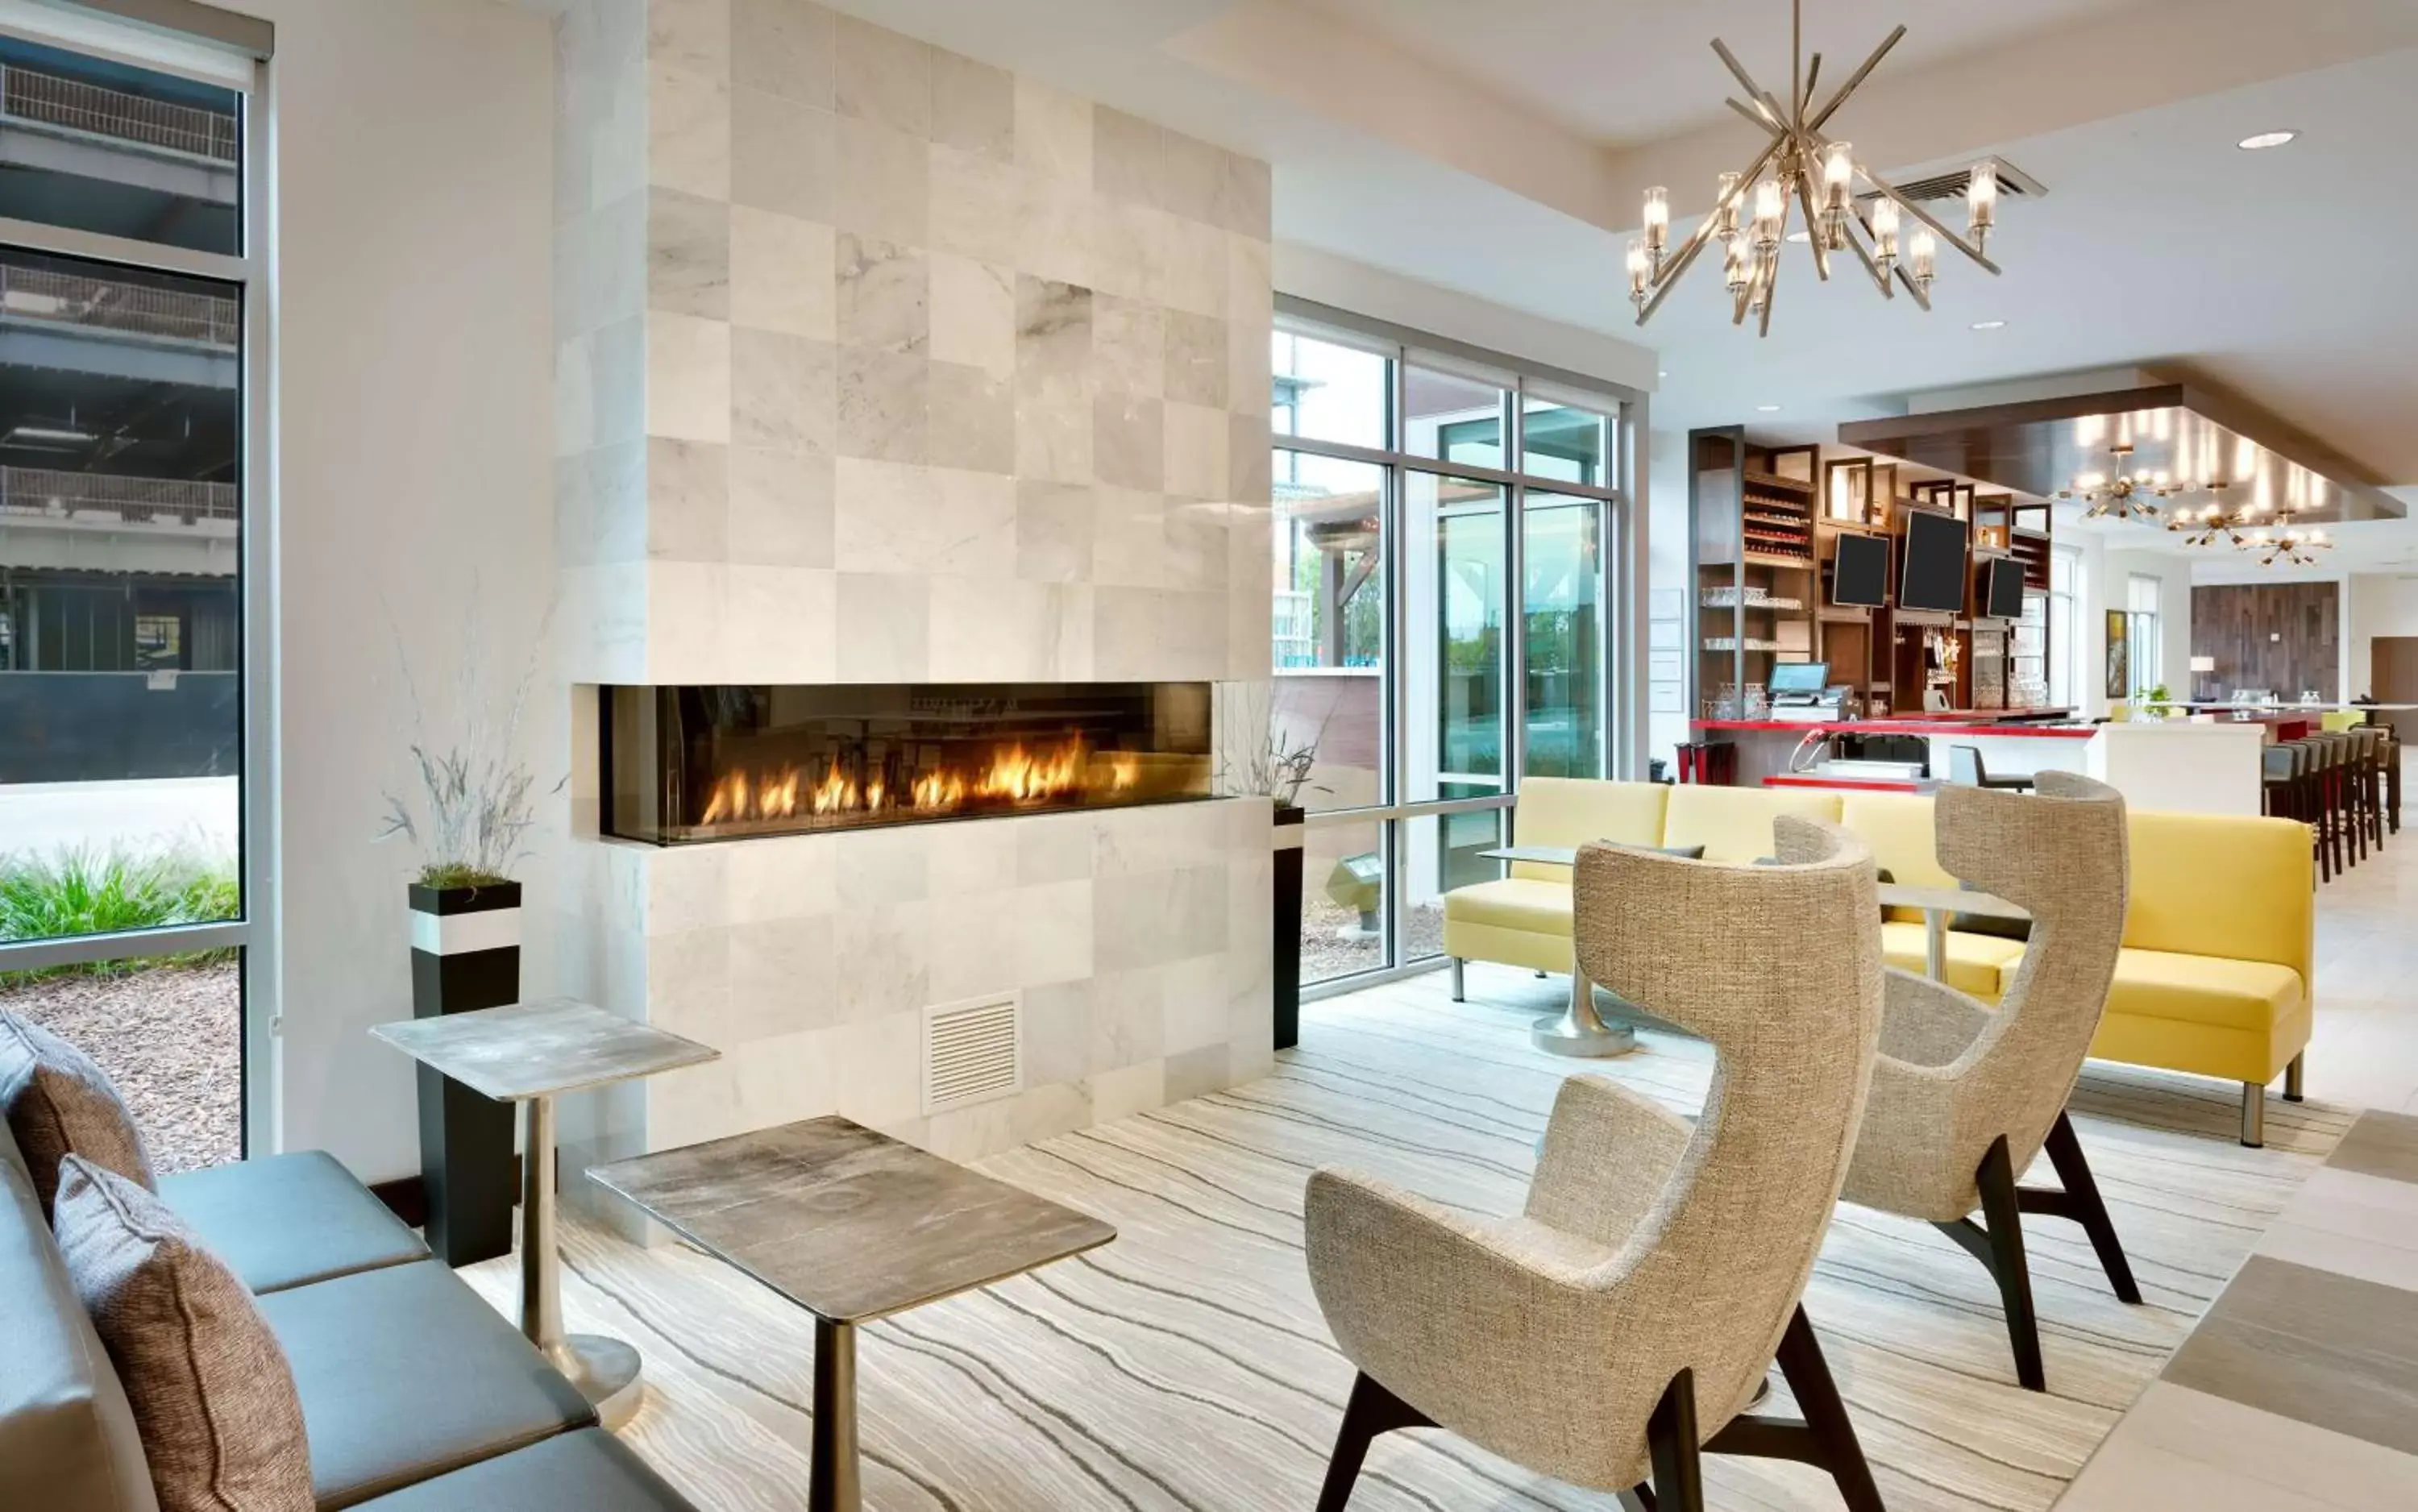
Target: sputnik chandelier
[
  {"x": 2272, "y": 535},
  {"x": 2122, "y": 494},
  {"x": 1803, "y": 171}
]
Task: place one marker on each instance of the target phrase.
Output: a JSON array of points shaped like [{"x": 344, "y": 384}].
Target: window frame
[
  {"x": 1617, "y": 577},
  {"x": 236, "y": 58}
]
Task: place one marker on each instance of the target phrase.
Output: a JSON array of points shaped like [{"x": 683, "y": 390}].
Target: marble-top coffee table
[
  {"x": 852, "y": 1226},
  {"x": 531, "y": 1053}
]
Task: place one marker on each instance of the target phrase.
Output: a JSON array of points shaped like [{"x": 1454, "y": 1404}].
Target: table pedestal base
[
  {"x": 832, "y": 1484},
  {"x": 605, "y": 1370},
  {"x": 1578, "y": 1031}
]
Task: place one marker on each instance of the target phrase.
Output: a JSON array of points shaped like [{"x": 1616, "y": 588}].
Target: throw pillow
[
  {"x": 1983, "y": 923},
  {"x": 213, "y": 1396},
  {"x": 57, "y": 1104}
]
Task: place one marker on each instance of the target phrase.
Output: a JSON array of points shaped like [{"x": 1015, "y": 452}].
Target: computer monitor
[
  {"x": 1800, "y": 676},
  {"x": 1935, "y": 577},
  {"x": 1860, "y": 571}
]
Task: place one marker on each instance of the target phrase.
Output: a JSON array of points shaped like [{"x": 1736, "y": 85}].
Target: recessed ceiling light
[
  {"x": 1663, "y": 372},
  {"x": 1989, "y": 324},
  {"x": 2265, "y": 140},
  {"x": 1768, "y": 409}
]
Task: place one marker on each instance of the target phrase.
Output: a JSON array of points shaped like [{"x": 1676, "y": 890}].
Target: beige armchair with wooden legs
[
  {"x": 1617, "y": 1328},
  {"x": 1965, "y": 1096}
]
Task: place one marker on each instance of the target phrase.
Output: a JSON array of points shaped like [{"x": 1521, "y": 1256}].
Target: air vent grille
[
  {"x": 1951, "y": 186},
  {"x": 971, "y": 1052}
]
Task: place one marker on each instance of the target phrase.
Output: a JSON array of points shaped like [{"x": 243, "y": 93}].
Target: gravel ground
[
  {"x": 1328, "y": 950},
  {"x": 171, "y": 1038}
]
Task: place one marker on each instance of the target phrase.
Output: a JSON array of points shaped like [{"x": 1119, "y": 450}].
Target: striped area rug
[{"x": 1186, "y": 1365}]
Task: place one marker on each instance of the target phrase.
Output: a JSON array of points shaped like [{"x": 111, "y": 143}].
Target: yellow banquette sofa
[{"x": 2215, "y": 974}]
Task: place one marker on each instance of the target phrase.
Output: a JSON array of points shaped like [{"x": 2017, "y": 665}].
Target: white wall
[
  {"x": 415, "y": 425},
  {"x": 2105, "y": 584},
  {"x": 2374, "y": 604}
]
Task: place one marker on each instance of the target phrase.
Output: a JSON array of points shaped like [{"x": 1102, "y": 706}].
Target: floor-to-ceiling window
[
  {"x": 2145, "y": 644},
  {"x": 1439, "y": 618},
  {"x": 131, "y": 322}
]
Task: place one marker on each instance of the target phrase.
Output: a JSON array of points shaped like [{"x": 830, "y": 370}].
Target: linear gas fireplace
[{"x": 728, "y": 762}]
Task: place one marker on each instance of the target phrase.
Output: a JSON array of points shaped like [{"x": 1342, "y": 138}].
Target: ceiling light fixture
[
  {"x": 1768, "y": 409},
  {"x": 2264, "y": 140},
  {"x": 1989, "y": 324},
  {"x": 2119, "y": 495},
  {"x": 1811, "y": 172}
]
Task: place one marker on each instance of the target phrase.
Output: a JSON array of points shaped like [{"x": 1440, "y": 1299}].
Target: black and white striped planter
[{"x": 466, "y": 954}]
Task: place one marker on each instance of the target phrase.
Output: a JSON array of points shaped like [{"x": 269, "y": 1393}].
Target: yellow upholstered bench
[{"x": 2214, "y": 977}]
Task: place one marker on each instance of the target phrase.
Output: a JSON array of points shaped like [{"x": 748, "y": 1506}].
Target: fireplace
[{"x": 733, "y": 761}]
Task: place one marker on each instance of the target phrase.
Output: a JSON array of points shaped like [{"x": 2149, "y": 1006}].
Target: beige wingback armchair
[
  {"x": 1965, "y": 1096},
  {"x": 1617, "y": 1327}
]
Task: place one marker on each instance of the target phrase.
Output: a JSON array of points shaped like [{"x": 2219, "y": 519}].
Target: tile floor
[{"x": 2298, "y": 1392}]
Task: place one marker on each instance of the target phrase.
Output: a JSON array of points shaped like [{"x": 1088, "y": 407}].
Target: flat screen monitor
[
  {"x": 2003, "y": 593},
  {"x": 1935, "y": 575},
  {"x": 1800, "y": 676},
  {"x": 1860, "y": 572}
]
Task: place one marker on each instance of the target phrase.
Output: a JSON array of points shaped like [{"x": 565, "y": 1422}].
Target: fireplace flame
[{"x": 1014, "y": 775}]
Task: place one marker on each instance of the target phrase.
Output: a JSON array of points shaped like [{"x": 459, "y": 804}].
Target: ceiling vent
[
  {"x": 971, "y": 1052},
  {"x": 1951, "y": 186}
]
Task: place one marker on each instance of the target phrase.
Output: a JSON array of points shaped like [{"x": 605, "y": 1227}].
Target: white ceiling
[
  {"x": 1498, "y": 150},
  {"x": 1629, "y": 72}
]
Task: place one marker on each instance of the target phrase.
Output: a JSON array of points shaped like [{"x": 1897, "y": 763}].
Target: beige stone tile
[
  {"x": 783, "y": 47},
  {"x": 1053, "y": 847},
  {"x": 778, "y": 624},
  {"x": 1057, "y": 236},
  {"x": 1053, "y": 132},
  {"x": 784, "y": 977},
  {"x": 885, "y": 295},
  {"x": 1127, "y": 248},
  {"x": 688, "y": 984},
  {"x": 1244, "y": 196},
  {"x": 974, "y": 314},
  {"x": 689, "y": 132},
  {"x": 782, "y": 1078},
  {"x": 688, "y": 377},
  {"x": 1129, "y": 539},
  {"x": 687, "y": 486},
  {"x": 883, "y": 516},
  {"x": 884, "y": 405},
  {"x": 883, "y": 866},
  {"x": 1196, "y": 1073},
  {"x": 2325, "y": 1348},
  {"x": 780, "y": 876},
  {"x": 1125, "y": 632},
  {"x": 1196, "y": 1006},
  {"x": 885, "y": 1058},
  {"x": 783, "y": 273},
  {"x": 1052, "y": 941},
  {"x": 783, "y": 156},
  {"x": 783, "y": 391},
  {"x": 617, "y": 381},
  {"x": 1129, "y": 441},
  {"x": 1196, "y": 546},
  {"x": 1055, "y": 531},
  {"x": 693, "y": 35},
  {"x": 973, "y": 106},
  {"x": 1128, "y": 156},
  {"x": 1128, "y": 1089},
  {"x": 973, "y": 424},
  {"x": 885, "y": 624},
  {"x": 2381, "y": 1144},
  {"x": 973, "y": 523},
  {"x": 1197, "y": 451},
  {"x": 1128, "y": 1017},
  {"x": 973, "y": 948},
  {"x": 883, "y": 952},
  {"x": 1191, "y": 175},
  {"x": 974, "y": 860},
  {"x": 1187, "y": 267},
  {"x": 1197, "y": 366},
  {"x": 2234, "y": 1455},
  {"x": 977, "y": 205},
  {"x": 1129, "y": 346},
  {"x": 684, "y": 608},
  {"x": 1056, "y": 1029},
  {"x": 992, "y": 630},
  {"x": 781, "y": 508},
  {"x": 2346, "y": 1254},
  {"x": 883, "y": 76}
]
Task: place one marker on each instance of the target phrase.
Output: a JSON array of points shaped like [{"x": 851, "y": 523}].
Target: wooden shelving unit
[{"x": 1756, "y": 588}]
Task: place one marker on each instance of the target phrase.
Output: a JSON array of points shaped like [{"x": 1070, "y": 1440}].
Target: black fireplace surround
[{"x": 688, "y": 764}]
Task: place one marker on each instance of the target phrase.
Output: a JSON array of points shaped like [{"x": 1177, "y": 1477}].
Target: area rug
[{"x": 1186, "y": 1365}]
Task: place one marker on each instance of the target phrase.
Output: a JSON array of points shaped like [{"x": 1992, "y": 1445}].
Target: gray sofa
[{"x": 417, "y": 1396}]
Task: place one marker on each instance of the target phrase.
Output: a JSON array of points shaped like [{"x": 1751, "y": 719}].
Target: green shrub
[{"x": 90, "y": 891}]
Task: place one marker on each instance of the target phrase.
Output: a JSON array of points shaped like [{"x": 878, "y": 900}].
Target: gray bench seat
[
  {"x": 590, "y": 1470},
  {"x": 284, "y": 1221}
]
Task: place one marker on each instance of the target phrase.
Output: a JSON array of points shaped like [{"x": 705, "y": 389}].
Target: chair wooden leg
[
  {"x": 2081, "y": 1201},
  {"x": 1371, "y": 1411},
  {"x": 1825, "y": 1438},
  {"x": 2000, "y": 1247},
  {"x": 1670, "y": 1440}
]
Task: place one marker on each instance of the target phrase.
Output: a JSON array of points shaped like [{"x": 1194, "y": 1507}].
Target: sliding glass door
[{"x": 1438, "y": 620}]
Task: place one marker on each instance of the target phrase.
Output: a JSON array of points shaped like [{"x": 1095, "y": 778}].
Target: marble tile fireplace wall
[{"x": 877, "y": 364}]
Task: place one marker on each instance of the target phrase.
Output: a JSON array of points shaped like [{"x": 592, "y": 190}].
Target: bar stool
[
  {"x": 2369, "y": 742},
  {"x": 1713, "y": 763}
]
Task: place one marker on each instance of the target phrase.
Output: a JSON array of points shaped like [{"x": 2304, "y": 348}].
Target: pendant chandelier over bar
[
  {"x": 2121, "y": 495},
  {"x": 1802, "y": 170}
]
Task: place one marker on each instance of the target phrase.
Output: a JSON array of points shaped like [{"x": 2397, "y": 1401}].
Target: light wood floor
[{"x": 1186, "y": 1365}]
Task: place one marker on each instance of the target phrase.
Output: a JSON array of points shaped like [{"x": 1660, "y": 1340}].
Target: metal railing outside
[
  {"x": 34, "y": 96},
  {"x": 136, "y": 500},
  {"x": 118, "y": 304}
]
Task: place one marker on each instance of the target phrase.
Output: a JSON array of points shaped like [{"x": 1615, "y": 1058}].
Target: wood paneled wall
[{"x": 2276, "y": 635}]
